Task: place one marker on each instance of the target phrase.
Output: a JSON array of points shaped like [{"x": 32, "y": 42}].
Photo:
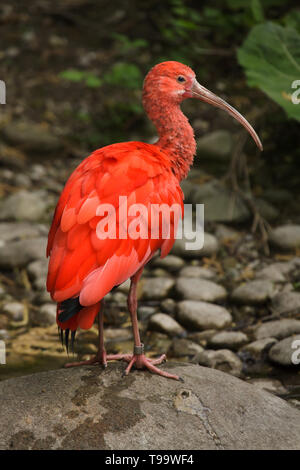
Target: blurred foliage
[
  {"x": 214, "y": 37},
  {"x": 74, "y": 75},
  {"x": 271, "y": 58}
]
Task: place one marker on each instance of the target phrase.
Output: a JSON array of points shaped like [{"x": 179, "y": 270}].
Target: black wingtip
[
  {"x": 68, "y": 308},
  {"x": 73, "y": 334},
  {"x": 67, "y": 332}
]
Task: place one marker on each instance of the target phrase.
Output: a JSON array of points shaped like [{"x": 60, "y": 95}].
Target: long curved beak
[{"x": 201, "y": 93}]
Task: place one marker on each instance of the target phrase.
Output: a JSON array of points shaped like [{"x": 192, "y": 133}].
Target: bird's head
[{"x": 171, "y": 82}]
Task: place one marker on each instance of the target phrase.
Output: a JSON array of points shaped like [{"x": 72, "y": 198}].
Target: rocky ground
[
  {"x": 91, "y": 408},
  {"x": 225, "y": 306}
]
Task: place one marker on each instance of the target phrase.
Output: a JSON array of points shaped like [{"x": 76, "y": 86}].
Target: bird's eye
[{"x": 180, "y": 79}]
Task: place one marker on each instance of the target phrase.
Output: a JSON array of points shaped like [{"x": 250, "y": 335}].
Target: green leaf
[
  {"x": 271, "y": 58},
  {"x": 124, "y": 75},
  {"x": 72, "y": 75},
  {"x": 92, "y": 81},
  {"x": 257, "y": 11},
  {"x": 292, "y": 19}
]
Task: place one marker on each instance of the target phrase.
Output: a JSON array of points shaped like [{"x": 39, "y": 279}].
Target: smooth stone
[
  {"x": 24, "y": 205},
  {"x": 31, "y": 137},
  {"x": 184, "y": 347},
  {"x": 220, "y": 208},
  {"x": 38, "y": 269},
  {"x": 45, "y": 315},
  {"x": 216, "y": 145},
  {"x": 4, "y": 334},
  {"x": 201, "y": 337},
  {"x": 228, "y": 340},
  {"x": 88, "y": 408},
  {"x": 19, "y": 253},
  {"x": 165, "y": 324},
  {"x": 11, "y": 231},
  {"x": 278, "y": 329},
  {"x": 210, "y": 246},
  {"x": 203, "y": 315},
  {"x": 145, "y": 311},
  {"x": 200, "y": 289},
  {"x": 171, "y": 263},
  {"x": 14, "y": 309},
  {"x": 270, "y": 273},
  {"x": 286, "y": 237},
  {"x": 258, "y": 347},
  {"x": 168, "y": 306},
  {"x": 285, "y": 302},
  {"x": 222, "y": 359},
  {"x": 225, "y": 234},
  {"x": 283, "y": 352},
  {"x": 156, "y": 288},
  {"x": 197, "y": 272},
  {"x": 253, "y": 292}
]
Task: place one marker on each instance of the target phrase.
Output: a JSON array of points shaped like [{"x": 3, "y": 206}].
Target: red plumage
[{"x": 82, "y": 264}]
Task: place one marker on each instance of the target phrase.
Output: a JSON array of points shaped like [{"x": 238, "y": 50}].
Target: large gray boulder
[{"x": 91, "y": 408}]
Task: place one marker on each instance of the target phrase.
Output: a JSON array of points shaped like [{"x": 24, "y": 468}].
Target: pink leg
[{"x": 138, "y": 359}]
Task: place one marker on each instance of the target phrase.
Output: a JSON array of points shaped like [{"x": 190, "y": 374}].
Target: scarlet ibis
[{"x": 84, "y": 267}]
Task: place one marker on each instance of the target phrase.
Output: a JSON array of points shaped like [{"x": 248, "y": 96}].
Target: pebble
[
  {"x": 10, "y": 231},
  {"x": 165, "y": 324},
  {"x": 271, "y": 273},
  {"x": 45, "y": 315},
  {"x": 286, "y": 302},
  {"x": 202, "y": 337},
  {"x": 200, "y": 289},
  {"x": 225, "y": 234},
  {"x": 253, "y": 292},
  {"x": 31, "y": 137},
  {"x": 278, "y": 329},
  {"x": 215, "y": 145},
  {"x": 286, "y": 237},
  {"x": 222, "y": 359},
  {"x": 258, "y": 347},
  {"x": 203, "y": 315},
  {"x": 284, "y": 354},
  {"x": 156, "y": 288},
  {"x": 228, "y": 340},
  {"x": 38, "y": 269},
  {"x": 24, "y": 205},
  {"x": 168, "y": 305},
  {"x": 4, "y": 334},
  {"x": 197, "y": 272},
  {"x": 145, "y": 311},
  {"x": 15, "y": 310},
  {"x": 184, "y": 347},
  {"x": 209, "y": 248},
  {"x": 171, "y": 263},
  {"x": 20, "y": 253}
]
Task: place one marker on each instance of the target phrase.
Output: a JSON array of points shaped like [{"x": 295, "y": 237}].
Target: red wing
[{"x": 83, "y": 264}]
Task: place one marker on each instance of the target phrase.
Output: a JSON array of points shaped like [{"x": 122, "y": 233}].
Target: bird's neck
[{"x": 176, "y": 136}]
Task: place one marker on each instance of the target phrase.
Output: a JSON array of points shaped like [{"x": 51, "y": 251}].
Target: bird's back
[{"x": 84, "y": 265}]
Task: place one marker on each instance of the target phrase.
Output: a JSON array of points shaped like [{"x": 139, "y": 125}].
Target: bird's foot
[
  {"x": 137, "y": 359},
  {"x": 99, "y": 358},
  {"x": 140, "y": 361}
]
